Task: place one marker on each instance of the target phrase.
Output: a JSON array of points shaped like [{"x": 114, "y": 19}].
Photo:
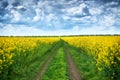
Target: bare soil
[{"x": 72, "y": 69}]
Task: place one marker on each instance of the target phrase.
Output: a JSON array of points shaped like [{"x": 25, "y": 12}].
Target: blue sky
[{"x": 59, "y": 17}]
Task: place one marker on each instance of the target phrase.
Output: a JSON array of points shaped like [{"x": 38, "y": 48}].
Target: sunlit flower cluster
[
  {"x": 13, "y": 46},
  {"x": 105, "y": 49}
]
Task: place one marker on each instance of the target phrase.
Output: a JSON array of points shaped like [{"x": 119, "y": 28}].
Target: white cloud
[
  {"x": 33, "y": 31},
  {"x": 9, "y": 7},
  {"x": 112, "y": 3},
  {"x": 86, "y": 19},
  {"x": 66, "y": 17},
  {"x": 46, "y": 5},
  {"x": 107, "y": 21},
  {"x": 41, "y": 4},
  {"x": 94, "y": 30},
  {"x": 16, "y": 16},
  {"x": 76, "y": 10},
  {"x": 44, "y": 11},
  {"x": 57, "y": 24},
  {"x": 6, "y": 30},
  {"x": 22, "y": 30},
  {"x": 6, "y": 16},
  {"x": 19, "y": 7},
  {"x": 38, "y": 12},
  {"x": 36, "y": 18},
  {"x": 40, "y": 15},
  {"x": 53, "y": 21},
  {"x": 70, "y": 2},
  {"x": 94, "y": 19},
  {"x": 19, "y": 30},
  {"x": 50, "y": 17},
  {"x": 95, "y": 11}
]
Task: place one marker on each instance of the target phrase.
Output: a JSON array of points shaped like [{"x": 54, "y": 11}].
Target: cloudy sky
[{"x": 59, "y": 17}]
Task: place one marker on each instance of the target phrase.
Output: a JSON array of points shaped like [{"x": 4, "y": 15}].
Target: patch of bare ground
[{"x": 73, "y": 71}]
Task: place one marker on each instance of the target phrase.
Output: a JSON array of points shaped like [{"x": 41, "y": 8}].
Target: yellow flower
[{"x": 0, "y": 61}]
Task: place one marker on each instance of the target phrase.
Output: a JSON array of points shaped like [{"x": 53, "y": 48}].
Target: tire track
[
  {"x": 46, "y": 63},
  {"x": 72, "y": 69}
]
